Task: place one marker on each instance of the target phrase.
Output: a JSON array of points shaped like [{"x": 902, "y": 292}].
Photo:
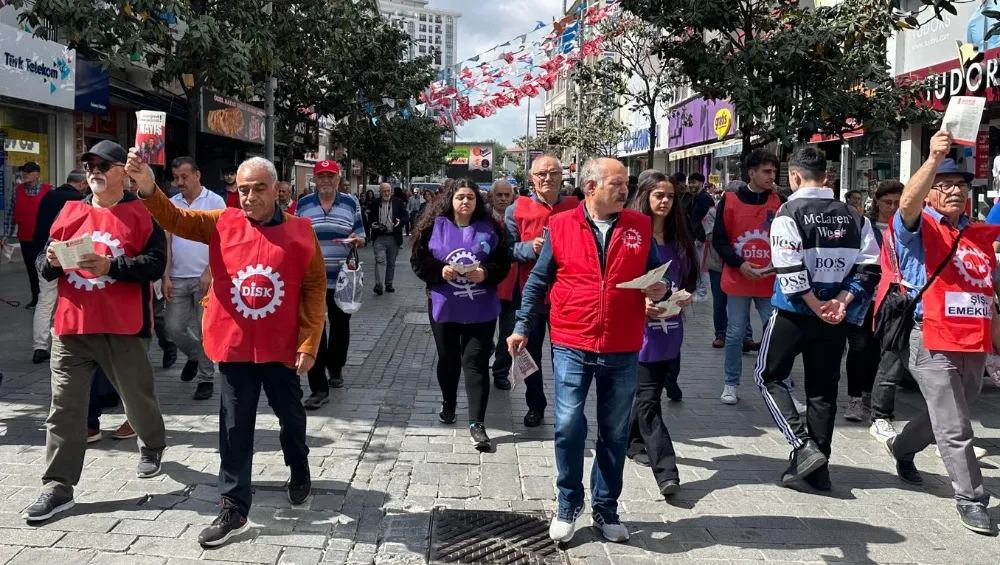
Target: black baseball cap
[
  {"x": 31, "y": 167},
  {"x": 229, "y": 170},
  {"x": 107, "y": 150}
]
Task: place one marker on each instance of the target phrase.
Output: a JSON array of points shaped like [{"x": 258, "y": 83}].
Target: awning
[
  {"x": 704, "y": 149},
  {"x": 139, "y": 98}
]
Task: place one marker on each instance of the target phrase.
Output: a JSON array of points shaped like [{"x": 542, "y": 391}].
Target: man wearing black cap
[
  {"x": 130, "y": 252},
  {"x": 23, "y": 211}
]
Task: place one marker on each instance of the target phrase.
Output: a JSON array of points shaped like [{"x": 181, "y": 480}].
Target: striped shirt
[{"x": 343, "y": 219}]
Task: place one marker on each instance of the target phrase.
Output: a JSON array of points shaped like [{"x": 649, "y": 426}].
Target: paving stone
[
  {"x": 48, "y": 556},
  {"x": 100, "y": 542},
  {"x": 300, "y": 556}
]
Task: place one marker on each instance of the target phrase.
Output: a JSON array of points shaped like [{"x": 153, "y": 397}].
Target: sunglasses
[{"x": 103, "y": 166}]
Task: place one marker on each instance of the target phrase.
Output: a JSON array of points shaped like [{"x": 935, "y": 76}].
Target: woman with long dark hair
[
  {"x": 459, "y": 250},
  {"x": 660, "y": 357}
]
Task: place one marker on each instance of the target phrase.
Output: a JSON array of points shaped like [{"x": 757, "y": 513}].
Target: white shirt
[{"x": 189, "y": 259}]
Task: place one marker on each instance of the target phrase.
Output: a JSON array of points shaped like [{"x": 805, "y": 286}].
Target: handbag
[
  {"x": 894, "y": 317},
  {"x": 350, "y": 284}
]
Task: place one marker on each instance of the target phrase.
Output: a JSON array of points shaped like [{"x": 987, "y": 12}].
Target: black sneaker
[
  {"x": 533, "y": 418},
  {"x": 316, "y": 400},
  {"x": 299, "y": 485},
  {"x": 169, "y": 356},
  {"x": 40, "y": 356},
  {"x": 447, "y": 413},
  {"x": 48, "y": 505},
  {"x": 674, "y": 392},
  {"x": 906, "y": 470},
  {"x": 31, "y": 305},
  {"x": 336, "y": 380},
  {"x": 204, "y": 391},
  {"x": 190, "y": 371},
  {"x": 388, "y": 288},
  {"x": 378, "y": 290},
  {"x": 820, "y": 479},
  {"x": 502, "y": 383},
  {"x": 479, "y": 438},
  {"x": 670, "y": 488},
  {"x": 150, "y": 463},
  {"x": 641, "y": 458},
  {"x": 227, "y": 524},
  {"x": 802, "y": 462},
  {"x": 975, "y": 518}
]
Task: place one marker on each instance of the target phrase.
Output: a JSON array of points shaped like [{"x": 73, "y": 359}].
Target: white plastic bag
[
  {"x": 350, "y": 284},
  {"x": 993, "y": 368}
]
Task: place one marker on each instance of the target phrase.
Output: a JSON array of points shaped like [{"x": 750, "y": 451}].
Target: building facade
[{"x": 434, "y": 32}]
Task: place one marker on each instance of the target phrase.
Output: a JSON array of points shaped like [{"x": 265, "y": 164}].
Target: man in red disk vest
[
  {"x": 525, "y": 220},
  {"x": 263, "y": 318},
  {"x": 587, "y": 253},
  {"x": 103, "y": 320},
  {"x": 955, "y": 326},
  {"x": 23, "y": 210}
]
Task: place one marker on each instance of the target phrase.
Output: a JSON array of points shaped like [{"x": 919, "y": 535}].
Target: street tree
[
  {"x": 790, "y": 71},
  {"x": 593, "y": 128},
  {"x": 642, "y": 81},
  {"x": 187, "y": 44}
]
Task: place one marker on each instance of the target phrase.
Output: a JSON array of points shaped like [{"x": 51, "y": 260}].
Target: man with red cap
[
  {"x": 262, "y": 324},
  {"x": 336, "y": 218}
]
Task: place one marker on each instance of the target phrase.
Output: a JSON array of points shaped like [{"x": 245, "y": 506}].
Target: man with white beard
[{"x": 130, "y": 253}]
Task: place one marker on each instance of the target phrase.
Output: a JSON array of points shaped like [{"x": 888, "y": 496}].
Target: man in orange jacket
[{"x": 263, "y": 318}]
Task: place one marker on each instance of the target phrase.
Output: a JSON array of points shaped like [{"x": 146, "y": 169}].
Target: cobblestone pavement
[{"x": 381, "y": 462}]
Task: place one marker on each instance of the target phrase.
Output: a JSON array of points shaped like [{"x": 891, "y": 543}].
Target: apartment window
[
  {"x": 437, "y": 58},
  {"x": 422, "y": 38},
  {"x": 437, "y": 19},
  {"x": 423, "y": 28},
  {"x": 437, "y": 40},
  {"x": 423, "y": 17},
  {"x": 437, "y": 29},
  {"x": 423, "y": 50}
]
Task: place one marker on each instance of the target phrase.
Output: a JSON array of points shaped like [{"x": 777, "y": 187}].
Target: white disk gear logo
[
  {"x": 466, "y": 288},
  {"x": 257, "y": 291},
  {"x": 754, "y": 247},
  {"x": 632, "y": 238},
  {"x": 974, "y": 266},
  {"x": 113, "y": 246}
]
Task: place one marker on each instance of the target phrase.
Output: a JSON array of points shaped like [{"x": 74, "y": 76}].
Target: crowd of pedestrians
[{"x": 247, "y": 282}]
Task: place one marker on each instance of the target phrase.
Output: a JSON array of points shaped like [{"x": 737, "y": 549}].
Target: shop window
[{"x": 27, "y": 140}]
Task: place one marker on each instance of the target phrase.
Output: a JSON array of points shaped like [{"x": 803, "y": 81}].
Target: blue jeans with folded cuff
[
  {"x": 615, "y": 375},
  {"x": 719, "y": 302}
]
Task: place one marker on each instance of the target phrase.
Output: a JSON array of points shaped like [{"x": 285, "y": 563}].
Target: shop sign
[
  {"x": 93, "y": 87},
  {"x": 693, "y": 123},
  {"x": 36, "y": 70},
  {"x": 723, "y": 122},
  {"x": 934, "y": 41},
  {"x": 637, "y": 141},
  {"x": 983, "y": 155},
  {"x": 231, "y": 118},
  {"x": 21, "y": 146}
]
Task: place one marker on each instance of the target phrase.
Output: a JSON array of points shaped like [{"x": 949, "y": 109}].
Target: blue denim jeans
[
  {"x": 738, "y": 311},
  {"x": 616, "y": 377},
  {"x": 719, "y": 300}
]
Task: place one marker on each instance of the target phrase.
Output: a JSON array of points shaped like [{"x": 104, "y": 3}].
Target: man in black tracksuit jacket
[{"x": 827, "y": 262}]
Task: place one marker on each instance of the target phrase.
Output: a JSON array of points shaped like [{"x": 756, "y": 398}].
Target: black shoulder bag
[{"x": 894, "y": 317}]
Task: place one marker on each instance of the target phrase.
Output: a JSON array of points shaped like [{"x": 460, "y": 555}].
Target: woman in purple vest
[
  {"x": 660, "y": 357},
  {"x": 460, "y": 252}
]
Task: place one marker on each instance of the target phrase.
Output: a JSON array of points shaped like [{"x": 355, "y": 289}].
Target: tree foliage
[{"x": 790, "y": 71}]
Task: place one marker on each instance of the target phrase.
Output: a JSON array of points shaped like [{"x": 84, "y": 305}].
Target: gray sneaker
[
  {"x": 150, "y": 463},
  {"x": 855, "y": 410}
]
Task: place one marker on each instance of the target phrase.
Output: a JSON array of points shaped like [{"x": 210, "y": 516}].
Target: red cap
[{"x": 326, "y": 167}]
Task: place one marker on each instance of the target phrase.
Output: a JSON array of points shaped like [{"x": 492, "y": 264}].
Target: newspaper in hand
[
  {"x": 464, "y": 268},
  {"x": 962, "y": 119},
  {"x": 672, "y": 305},
  {"x": 71, "y": 251},
  {"x": 647, "y": 280},
  {"x": 523, "y": 366}
]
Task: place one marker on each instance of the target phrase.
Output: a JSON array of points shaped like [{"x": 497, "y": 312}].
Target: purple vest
[
  {"x": 462, "y": 300},
  {"x": 663, "y": 337}
]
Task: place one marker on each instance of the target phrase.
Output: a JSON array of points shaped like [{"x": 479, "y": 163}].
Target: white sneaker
[
  {"x": 979, "y": 451},
  {"x": 562, "y": 531},
  {"x": 799, "y": 407},
  {"x": 855, "y": 410},
  {"x": 882, "y": 430},
  {"x": 729, "y": 395},
  {"x": 612, "y": 529}
]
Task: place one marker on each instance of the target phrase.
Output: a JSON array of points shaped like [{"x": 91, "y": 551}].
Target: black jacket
[
  {"x": 720, "y": 237},
  {"x": 428, "y": 268},
  {"x": 399, "y": 217},
  {"x": 145, "y": 268},
  {"x": 48, "y": 210}
]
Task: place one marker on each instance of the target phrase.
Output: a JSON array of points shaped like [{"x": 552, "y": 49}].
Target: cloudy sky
[{"x": 484, "y": 25}]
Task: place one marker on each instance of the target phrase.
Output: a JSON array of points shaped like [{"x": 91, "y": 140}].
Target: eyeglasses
[
  {"x": 103, "y": 166},
  {"x": 949, "y": 186},
  {"x": 547, "y": 174}
]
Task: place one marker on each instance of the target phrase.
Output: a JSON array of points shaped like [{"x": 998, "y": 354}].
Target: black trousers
[
  {"x": 505, "y": 324},
  {"x": 821, "y": 345},
  {"x": 891, "y": 372},
  {"x": 160, "y": 323},
  {"x": 332, "y": 355},
  {"x": 648, "y": 431},
  {"x": 29, "y": 252},
  {"x": 465, "y": 347},
  {"x": 241, "y": 385},
  {"x": 863, "y": 353}
]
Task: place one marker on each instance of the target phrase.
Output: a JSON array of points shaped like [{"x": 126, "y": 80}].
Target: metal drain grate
[{"x": 483, "y": 537}]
